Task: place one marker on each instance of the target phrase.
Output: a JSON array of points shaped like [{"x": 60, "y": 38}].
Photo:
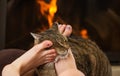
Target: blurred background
[{"x": 98, "y": 20}]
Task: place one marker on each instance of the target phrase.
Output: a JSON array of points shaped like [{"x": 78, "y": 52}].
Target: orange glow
[
  {"x": 84, "y": 33},
  {"x": 48, "y": 9}
]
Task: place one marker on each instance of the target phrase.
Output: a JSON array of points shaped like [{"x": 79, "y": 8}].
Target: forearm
[
  {"x": 10, "y": 70},
  {"x": 31, "y": 59},
  {"x": 17, "y": 67},
  {"x": 72, "y": 72}
]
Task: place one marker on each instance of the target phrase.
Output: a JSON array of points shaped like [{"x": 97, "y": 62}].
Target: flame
[
  {"x": 84, "y": 33},
  {"x": 48, "y": 9}
]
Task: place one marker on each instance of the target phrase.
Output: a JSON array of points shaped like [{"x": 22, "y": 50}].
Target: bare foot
[
  {"x": 67, "y": 66},
  {"x": 66, "y": 30},
  {"x": 32, "y": 58}
]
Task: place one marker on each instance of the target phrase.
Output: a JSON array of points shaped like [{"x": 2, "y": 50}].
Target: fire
[
  {"x": 48, "y": 9},
  {"x": 84, "y": 33}
]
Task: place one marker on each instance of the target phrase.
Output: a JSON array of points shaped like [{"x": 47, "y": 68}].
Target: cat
[{"x": 88, "y": 56}]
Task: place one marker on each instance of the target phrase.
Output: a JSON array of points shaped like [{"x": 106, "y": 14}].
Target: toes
[
  {"x": 49, "y": 53},
  {"x": 68, "y": 30},
  {"x": 50, "y": 57},
  {"x": 62, "y": 28},
  {"x": 43, "y": 45}
]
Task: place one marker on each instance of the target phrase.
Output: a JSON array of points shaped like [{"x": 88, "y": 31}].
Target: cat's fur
[{"x": 89, "y": 58}]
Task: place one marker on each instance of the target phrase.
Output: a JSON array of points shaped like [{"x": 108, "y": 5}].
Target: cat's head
[{"x": 60, "y": 42}]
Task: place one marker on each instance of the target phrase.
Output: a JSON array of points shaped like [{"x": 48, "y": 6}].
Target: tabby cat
[{"x": 89, "y": 58}]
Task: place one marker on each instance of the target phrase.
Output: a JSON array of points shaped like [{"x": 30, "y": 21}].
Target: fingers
[
  {"x": 43, "y": 45},
  {"x": 49, "y": 55},
  {"x": 61, "y": 28},
  {"x": 40, "y": 49},
  {"x": 49, "y": 52},
  {"x": 66, "y": 30}
]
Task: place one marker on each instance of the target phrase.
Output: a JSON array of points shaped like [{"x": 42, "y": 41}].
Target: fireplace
[{"x": 96, "y": 19}]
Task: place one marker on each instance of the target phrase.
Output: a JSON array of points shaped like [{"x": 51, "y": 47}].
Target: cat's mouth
[{"x": 64, "y": 54}]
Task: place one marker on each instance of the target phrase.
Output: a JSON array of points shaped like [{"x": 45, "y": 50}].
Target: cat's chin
[{"x": 62, "y": 56}]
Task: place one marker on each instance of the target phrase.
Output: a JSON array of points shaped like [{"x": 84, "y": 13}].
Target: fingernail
[
  {"x": 59, "y": 25},
  {"x": 48, "y": 45},
  {"x": 68, "y": 27}
]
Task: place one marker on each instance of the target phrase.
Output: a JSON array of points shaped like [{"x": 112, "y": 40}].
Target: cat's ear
[
  {"x": 55, "y": 27},
  {"x": 35, "y": 36}
]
